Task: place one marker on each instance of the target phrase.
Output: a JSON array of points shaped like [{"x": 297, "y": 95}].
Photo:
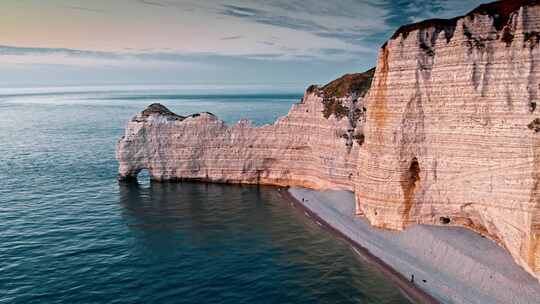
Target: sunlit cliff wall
[{"x": 452, "y": 128}]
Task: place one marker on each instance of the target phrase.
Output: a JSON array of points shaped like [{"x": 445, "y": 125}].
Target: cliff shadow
[{"x": 196, "y": 213}]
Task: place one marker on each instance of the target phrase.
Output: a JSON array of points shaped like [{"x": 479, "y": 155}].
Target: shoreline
[
  {"x": 411, "y": 290},
  {"x": 449, "y": 264}
]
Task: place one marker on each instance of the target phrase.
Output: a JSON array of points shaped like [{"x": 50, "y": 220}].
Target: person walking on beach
[{"x": 412, "y": 278}]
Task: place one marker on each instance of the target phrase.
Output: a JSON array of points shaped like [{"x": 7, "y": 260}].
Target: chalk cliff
[
  {"x": 446, "y": 133},
  {"x": 316, "y": 145},
  {"x": 452, "y": 128}
]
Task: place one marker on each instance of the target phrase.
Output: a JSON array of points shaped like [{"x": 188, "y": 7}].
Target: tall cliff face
[
  {"x": 452, "y": 131},
  {"x": 316, "y": 145}
]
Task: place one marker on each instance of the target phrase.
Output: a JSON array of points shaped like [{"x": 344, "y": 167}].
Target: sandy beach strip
[
  {"x": 416, "y": 294},
  {"x": 449, "y": 264}
]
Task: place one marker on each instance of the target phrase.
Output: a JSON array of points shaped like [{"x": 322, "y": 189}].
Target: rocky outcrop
[
  {"x": 448, "y": 133},
  {"x": 451, "y": 131},
  {"x": 316, "y": 145}
]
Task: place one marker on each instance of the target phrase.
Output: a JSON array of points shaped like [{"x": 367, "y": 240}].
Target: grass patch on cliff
[
  {"x": 349, "y": 84},
  {"x": 334, "y": 107},
  {"x": 355, "y": 85}
]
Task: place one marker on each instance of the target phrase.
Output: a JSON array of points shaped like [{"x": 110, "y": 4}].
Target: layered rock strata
[
  {"x": 448, "y": 134},
  {"x": 316, "y": 145},
  {"x": 451, "y": 131}
]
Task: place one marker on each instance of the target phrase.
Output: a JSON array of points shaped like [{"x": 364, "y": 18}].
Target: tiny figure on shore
[
  {"x": 412, "y": 278},
  {"x": 302, "y": 199}
]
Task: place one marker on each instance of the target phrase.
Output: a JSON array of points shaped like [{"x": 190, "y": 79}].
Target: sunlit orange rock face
[
  {"x": 452, "y": 136},
  {"x": 448, "y": 133}
]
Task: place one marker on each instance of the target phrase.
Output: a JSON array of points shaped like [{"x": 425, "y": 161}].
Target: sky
[{"x": 272, "y": 42}]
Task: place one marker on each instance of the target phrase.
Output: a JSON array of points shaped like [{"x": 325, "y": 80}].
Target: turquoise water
[{"x": 70, "y": 233}]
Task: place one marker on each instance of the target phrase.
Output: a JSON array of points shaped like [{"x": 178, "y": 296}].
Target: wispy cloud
[
  {"x": 152, "y": 3},
  {"x": 85, "y": 9},
  {"x": 266, "y": 17},
  {"x": 236, "y": 37},
  {"x": 332, "y": 51},
  {"x": 269, "y": 43},
  {"x": 14, "y": 50},
  {"x": 402, "y": 12},
  {"x": 265, "y": 40},
  {"x": 365, "y": 23},
  {"x": 325, "y": 20},
  {"x": 287, "y": 54}
]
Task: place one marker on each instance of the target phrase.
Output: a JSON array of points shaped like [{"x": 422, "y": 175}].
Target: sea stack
[{"x": 445, "y": 131}]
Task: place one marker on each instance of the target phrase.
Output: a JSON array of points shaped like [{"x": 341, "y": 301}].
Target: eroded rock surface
[{"x": 451, "y": 131}]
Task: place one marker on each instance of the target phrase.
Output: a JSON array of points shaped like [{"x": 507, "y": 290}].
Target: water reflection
[{"x": 248, "y": 243}]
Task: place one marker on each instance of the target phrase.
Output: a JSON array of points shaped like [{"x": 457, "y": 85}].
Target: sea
[{"x": 71, "y": 233}]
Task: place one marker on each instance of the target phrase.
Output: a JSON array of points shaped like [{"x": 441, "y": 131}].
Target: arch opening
[
  {"x": 444, "y": 220},
  {"x": 143, "y": 177}
]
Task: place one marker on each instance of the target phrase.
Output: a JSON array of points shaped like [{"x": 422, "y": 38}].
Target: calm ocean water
[{"x": 70, "y": 233}]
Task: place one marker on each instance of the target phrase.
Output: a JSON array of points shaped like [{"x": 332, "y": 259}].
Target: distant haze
[{"x": 101, "y": 42}]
